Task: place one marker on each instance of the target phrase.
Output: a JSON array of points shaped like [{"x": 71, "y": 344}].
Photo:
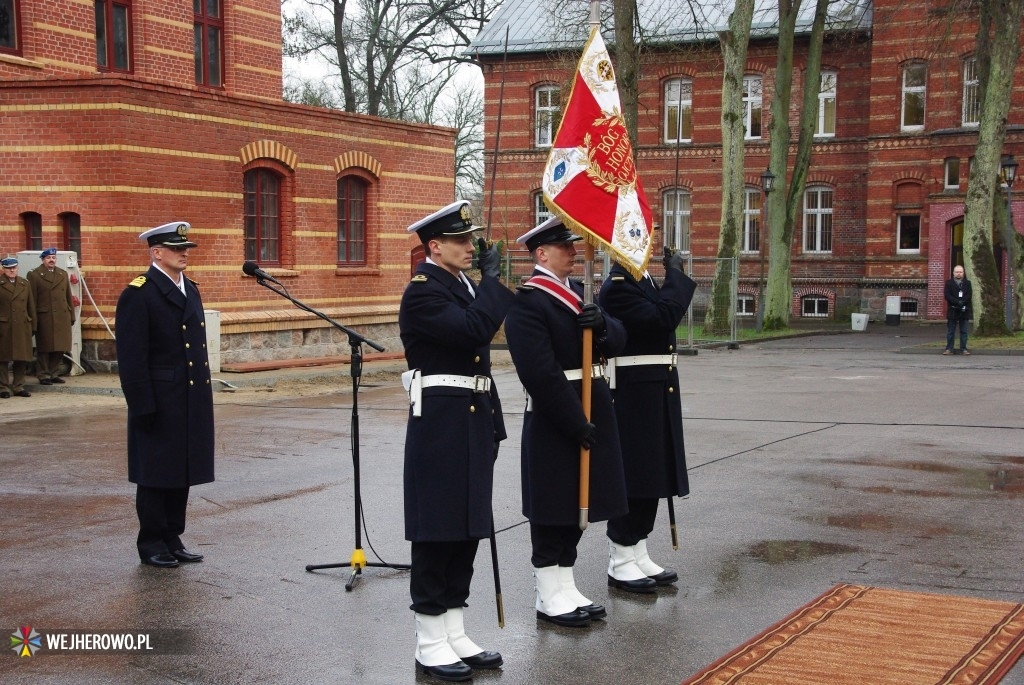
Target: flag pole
[{"x": 588, "y": 341}]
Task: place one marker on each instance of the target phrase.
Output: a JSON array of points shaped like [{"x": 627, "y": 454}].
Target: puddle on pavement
[
  {"x": 782, "y": 551},
  {"x": 1000, "y": 474}
]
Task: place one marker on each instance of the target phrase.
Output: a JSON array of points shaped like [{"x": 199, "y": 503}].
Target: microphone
[{"x": 250, "y": 269}]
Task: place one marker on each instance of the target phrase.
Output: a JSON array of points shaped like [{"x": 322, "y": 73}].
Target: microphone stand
[{"x": 358, "y": 559}]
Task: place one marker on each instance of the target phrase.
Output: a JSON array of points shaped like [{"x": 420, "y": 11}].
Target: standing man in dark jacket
[
  {"x": 164, "y": 368},
  {"x": 17, "y": 324},
  {"x": 544, "y": 330},
  {"x": 959, "y": 310},
  {"x": 648, "y": 409},
  {"x": 455, "y": 424},
  {"x": 55, "y": 315}
]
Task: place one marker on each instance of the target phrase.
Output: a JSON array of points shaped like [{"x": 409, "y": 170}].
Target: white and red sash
[{"x": 558, "y": 290}]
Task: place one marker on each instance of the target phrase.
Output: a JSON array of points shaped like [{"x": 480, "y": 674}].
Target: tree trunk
[
  {"x": 998, "y": 31},
  {"x": 785, "y": 202},
  {"x": 721, "y": 308},
  {"x": 627, "y": 71},
  {"x": 340, "y": 41}
]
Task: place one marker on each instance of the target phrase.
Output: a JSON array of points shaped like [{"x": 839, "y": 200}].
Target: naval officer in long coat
[
  {"x": 55, "y": 315},
  {"x": 648, "y": 410},
  {"x": 447, "y": 323},
  {"x": 164, "y": 369},
  {"x": 545, "y": 338}
]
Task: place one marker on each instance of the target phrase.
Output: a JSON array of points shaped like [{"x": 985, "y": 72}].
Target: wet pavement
[{"x": 813, "y": 461}]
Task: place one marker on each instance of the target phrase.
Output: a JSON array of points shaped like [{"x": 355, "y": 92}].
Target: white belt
[
  {"x": 668, "y": 360},
  {"x": 414, "y": 383},
  {"x": 596, "y": 371}
]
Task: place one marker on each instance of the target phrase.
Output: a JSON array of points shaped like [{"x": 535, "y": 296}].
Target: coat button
[
  {"x": 671, "y": 389},
  {"x": 202, "y": 324},
  {"x": 472, "y": 409},
  {"x": 183, "y": 327},
  {"x": 191, "y": 383},
  {"x": 207, "y": 381},
  {"x": 190, "y": 363},
  {"x": 671, "y": 348},
  {"x": 476, "y": 359},
  {"x": 187, "y": 346}
]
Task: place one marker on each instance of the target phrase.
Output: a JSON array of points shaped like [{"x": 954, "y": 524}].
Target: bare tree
[
  {"x": 734, "y": 43},
  {"x": 997, "y": 52},
  {"x": 785, "y": 201}
]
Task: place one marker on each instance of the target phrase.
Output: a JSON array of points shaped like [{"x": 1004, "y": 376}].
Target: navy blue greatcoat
[
  {"x": 450, "y": 448},
  {"x": 545, "y": 340},
  {"x": 165, "y": 375},
  {"x": 647, "y": 402}
]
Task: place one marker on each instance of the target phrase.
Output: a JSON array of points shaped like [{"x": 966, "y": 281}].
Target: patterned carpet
[{"x": 856, "y": 635}]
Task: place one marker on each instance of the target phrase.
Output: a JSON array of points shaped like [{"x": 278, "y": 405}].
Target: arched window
[
  {"x": 547, "y": 114},
  {"x": 262, "y": 216},
  {"x": 751, "y": 220},
  {"x": 114, "y": 35},
  {"x": 675, "y": 207},
  {"x": 33, "y": 225},
  {"x": 541, "y": 213},
  {"x": 351, "y": 220},
  {"x": 814, "y": 306},
  {"x": 72, "y": 225},
  {"x": 678, "y": 110},
  {"x": 818, "y": 219},
  {"x": 10, "y": 39}
]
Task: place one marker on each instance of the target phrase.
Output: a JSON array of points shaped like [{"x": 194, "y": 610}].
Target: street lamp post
[
  {"x": 1007, "y": 174},
  {"x": 767, "y": 183}
]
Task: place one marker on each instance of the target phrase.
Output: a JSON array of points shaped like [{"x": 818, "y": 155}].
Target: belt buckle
[
  {"x": 597, "y": 371},
  {"x": 672, "y": 362},
  {"x": 480, "y": 384}
]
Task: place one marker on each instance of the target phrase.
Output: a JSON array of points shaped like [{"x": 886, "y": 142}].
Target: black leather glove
[
  {"x": 585, "y": 436},
  {"x": 591, "y": 317},
  {"x": 147, "y": 421},
  {"x": 673, "y": 259},
  {"x": 489, "y": 259}
]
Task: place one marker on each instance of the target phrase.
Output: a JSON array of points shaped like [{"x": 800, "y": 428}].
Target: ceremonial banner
[{"x": 590, "y": 181}]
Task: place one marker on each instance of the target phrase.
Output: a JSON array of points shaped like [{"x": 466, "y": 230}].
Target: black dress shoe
[
  {"x": 23, "y": 393},
  {"x": 640, "y": 585},
  {"x": 45, "y": 381},
  {"x": 456, "y": 672},
  {"x": 57, "y": 380},
  {"x": 186, "y": 557},
  {"x": 483, "y": 660},
  {"x": 4, "y": 395},
  {"x": 162, "y": 560},
  {"x": 666, "y": 577},
  {"x": 594, "y": 611},
  {"x": 572, "y": 619}
]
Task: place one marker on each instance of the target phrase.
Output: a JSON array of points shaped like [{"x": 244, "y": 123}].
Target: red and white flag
[{"x": 590, "y": 181}]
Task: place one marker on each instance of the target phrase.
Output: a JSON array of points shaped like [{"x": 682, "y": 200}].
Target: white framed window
[
  {"x": 908, "y": 234},
  {"x": 675, "y": 204},
  {"x": 746, "y": 305},
  {"x": 818, "y": 219},
  {"x": 547, "y": 114},
  {"x": 952, "y": 173},
  {"x": 814, "y": 306},
  {"x": 678, "y": 111},
  {"x": 752, "y": 107},
  {"x": 827, "y": 105},
  {"x": 541, "y": 213},
  {"x": 751, "y": 241},
  {"x": 915, "y": 94},
  {"x": 972, "y": 93}
]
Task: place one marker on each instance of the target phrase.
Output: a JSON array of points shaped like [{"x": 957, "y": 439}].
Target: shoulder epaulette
[
  {"x": 525, "y": 287},
  {"x": 618, "y": 278},
  {"x": 419, "y": 278},
  {"x": 138, "y": 282},
  {"x": 195, "y": 283}
]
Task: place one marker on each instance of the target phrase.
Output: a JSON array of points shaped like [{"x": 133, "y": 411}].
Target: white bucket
[{"x": 859, "y": 321}]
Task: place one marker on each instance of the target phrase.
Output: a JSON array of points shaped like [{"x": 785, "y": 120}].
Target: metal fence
[{"x": 692, "y": 333}]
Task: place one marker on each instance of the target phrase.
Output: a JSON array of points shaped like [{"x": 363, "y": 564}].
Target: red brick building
[
  {"x": 897, "y": 126},
  {"x": 120, "y": 115}
]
